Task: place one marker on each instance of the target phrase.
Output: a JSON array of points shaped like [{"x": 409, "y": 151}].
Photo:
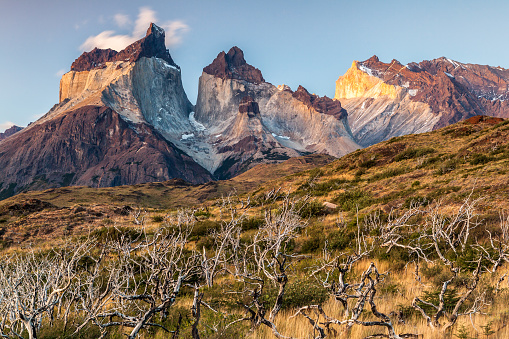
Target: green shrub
[
  {"x": 157, "y": 218},
  {"x": 319, "y": 189},
  {"x": 310, "y": 209},
  {"x": 299, "y": 292},
  {"x": 429, "y": 161},
  {"x": 203, "y": 213},
  {"x": 447, "y": 166},
  {"x": 350, "y": 200},
  {"x": 339, "y": 240},
  {"x": 251, "y": 224},
  {"x": 203, "y": 228},
  {"x": 312, "y": 244},
  {"x": 450, "y": 300},
  {"x": 367, "y": 163},
  {"x": 105, "y": 234},
  {"x": 412, "y": 153},
  {"x": 479, "y": 159},
  {"x": 389, "y": 173}
]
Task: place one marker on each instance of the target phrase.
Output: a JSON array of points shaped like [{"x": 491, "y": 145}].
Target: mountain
[
  {"x": 281, "y": 124},
  {"x": 385, "y": 100},
  {"x": 113, "y": 125},
  {"x": 10, "y": 131}
]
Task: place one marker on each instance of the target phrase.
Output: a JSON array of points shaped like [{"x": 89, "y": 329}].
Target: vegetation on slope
[{"x": 418, "y": 225}]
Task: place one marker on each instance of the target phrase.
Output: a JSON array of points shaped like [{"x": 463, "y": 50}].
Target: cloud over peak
[
  {"x": 109, "y": 39},
  {"x": 5, "y": 125}
]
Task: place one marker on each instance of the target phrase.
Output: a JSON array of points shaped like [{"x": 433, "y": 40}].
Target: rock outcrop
[
  {"x": 288, "y": 124},
  {"x": 385, "y": 100},
  {"x": 92, "y": 146},
  {"x": 152, "y": 45},
  {"x": 117, "y": 117},
  {"x": 10, "y": 131},
  {"x": 232, "y": 65}
]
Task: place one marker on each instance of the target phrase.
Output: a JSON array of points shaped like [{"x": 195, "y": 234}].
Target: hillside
[
  {"x": 469, "y": 157},
  {"x": 390, "y": 197}
]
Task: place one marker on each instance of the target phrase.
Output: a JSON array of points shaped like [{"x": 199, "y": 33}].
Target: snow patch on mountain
[{"x": 197, "y": 126}]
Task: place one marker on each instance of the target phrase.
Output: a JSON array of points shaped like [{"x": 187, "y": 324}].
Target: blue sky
[{"x": 307, "y": 43}]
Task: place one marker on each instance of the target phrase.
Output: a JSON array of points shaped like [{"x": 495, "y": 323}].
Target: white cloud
[
  {"x": 145, "y": 17},
  {"x": 174, "y": 31},
  {"x": 5, "y": 125},
  {"x": 122, "y": 20},
  {"x": 60, "y": 72},
  {"x": 108, "y": 39}
]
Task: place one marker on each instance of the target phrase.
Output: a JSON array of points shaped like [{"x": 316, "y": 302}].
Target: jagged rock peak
[
  {"x": 249, "y": 106},
  {"x": 320, "y": 104},
  {"x": 152, "y": 45},
  {"x": 232, "y": 65},
  {"x": 10, "y": 131}
]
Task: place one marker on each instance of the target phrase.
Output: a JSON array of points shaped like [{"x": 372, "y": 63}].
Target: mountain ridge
[{"x": 240, "y": 120}]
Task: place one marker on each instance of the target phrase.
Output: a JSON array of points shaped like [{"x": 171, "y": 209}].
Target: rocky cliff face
[
  {"x": 384, "y": 100},
  {"x": 10, "y": 131},
  {"x": 92, "y": 146},
  {"x": 115, "y": 122},
  {"x": 289, "y": 123}
]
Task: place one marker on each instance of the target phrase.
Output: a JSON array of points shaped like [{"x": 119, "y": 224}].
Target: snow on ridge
[
  {"x": 280, "y": 136},
  {"x": 187, "y": 136},
  {"x": 166, "y": 64},
  {"x": 197, "y": 126},
  {"x": 366, "y": 70},
  {"x": 449, "y": 75},
  {"x": 455, "y": 64}
]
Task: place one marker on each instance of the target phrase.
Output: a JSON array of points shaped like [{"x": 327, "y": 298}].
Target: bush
[
  {"x": 298, "y": 293},
  {"x": 448, "y": 166},
  {"x": 105, "y": 234},
  {"x": 339, "y": 240},
  {"x": 479, "y": 159},
  {"x": 350, "y": 200},
  {"x": 251, "y": 224},
  {"x": 389, "y": 173},
  {"x": 312, "y": 244},
  {"x": 203, "y": 228},
  {"x": 322, "y": 188},
  {"x": 204, "y": 213},
  {"x": 157, "y": 218},
  {"x": 310, "y": 209},
  {"x": 450, "y": 300},
  {"x": 414, "y": 153}
]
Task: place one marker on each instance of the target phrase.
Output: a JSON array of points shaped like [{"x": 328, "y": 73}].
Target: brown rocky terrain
[
  {"x": 152, "y": 45},
  {"x": 91, "y": 146},
  {"x": 10, "y": 131},
  {"x": 232, "y": 65},
  {"x": 284, "y": 124},
  {"x": 384, "y": 100}
]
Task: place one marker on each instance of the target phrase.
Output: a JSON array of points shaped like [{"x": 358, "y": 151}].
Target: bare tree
[
  {"x": 140, "y": 278},
  {"x": 266, "y": 259},
  {"x": 442, "y": 240},
  {"x": 353, "y": 295},
  {"x": 32, "y": 283}
]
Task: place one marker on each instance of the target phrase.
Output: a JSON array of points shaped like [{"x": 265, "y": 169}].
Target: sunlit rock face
[
  {"x": 290, "y": 123},
  {"x": 384, "y": 100},
  {"x": 118, "y": 121}
]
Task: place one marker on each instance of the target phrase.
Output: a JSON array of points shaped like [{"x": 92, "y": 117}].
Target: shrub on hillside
[{"x": 414, "y": 153}]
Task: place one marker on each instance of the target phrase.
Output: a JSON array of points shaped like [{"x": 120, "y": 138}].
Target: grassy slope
[{"x": 448, "y": 164}]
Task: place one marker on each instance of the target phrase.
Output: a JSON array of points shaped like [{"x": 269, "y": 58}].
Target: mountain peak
[
  {"x": 232, "y": 65},
  {"x": 152, "y": 45},
  {"x": 10, "y": 131}
]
